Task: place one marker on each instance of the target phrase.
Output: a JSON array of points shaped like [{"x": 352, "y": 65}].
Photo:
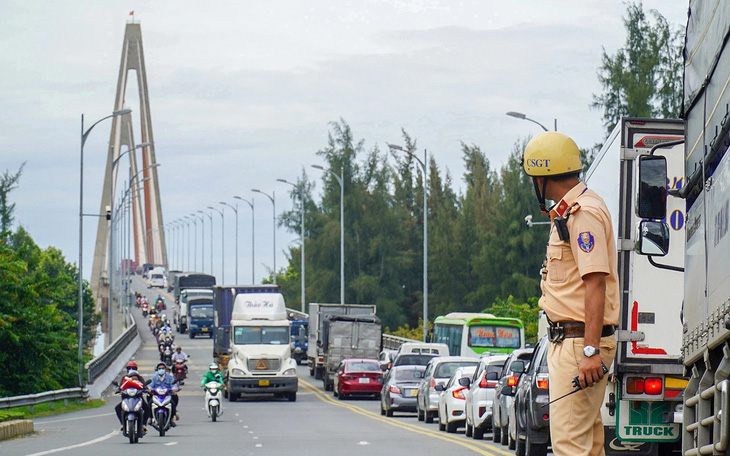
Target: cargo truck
[
  {"x": 635, "y": 416},
  {"x": 259, "y": 347},
  {"x": 200, "y": 316},
  {"x": 180, "y": 316},
  {"x": 187, "y": 280},
  {"x": 317, "y": 313},
  {"x": 705, "y": 332},
  {"x": 348, "y": 336},
  {"x": 299, "y": 339}
]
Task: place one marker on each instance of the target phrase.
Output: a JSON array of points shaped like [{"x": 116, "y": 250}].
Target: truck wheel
[
  {"x": 311, "y": 370},
  {"x": 318, "y": 371}
]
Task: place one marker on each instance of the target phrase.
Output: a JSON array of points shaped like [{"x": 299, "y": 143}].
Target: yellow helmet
[{"x": 551, "y": 154}]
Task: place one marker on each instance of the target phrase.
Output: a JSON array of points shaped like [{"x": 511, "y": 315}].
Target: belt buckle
[{"x": 556, "y": 334}]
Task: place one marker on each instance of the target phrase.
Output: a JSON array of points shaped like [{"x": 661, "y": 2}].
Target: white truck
[
  {"x": 705, "y": 335},
  {"x": 157, "y": 277},
  {"x": 647, "y": 381},
  {"x": 180, "y": 317},
  {"x": 260, "y": 351},
  {"x": 317, "y": 314}
]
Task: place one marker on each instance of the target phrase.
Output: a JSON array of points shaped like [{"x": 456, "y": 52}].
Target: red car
[{"x": 360, "y": 377}]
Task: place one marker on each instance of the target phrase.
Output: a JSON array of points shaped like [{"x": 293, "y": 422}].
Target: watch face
[{"x": 589, "y": 351}]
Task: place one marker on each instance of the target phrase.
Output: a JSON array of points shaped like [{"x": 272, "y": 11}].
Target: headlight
[
  {"x": 138, "y": 406},
  {"x": 124, "y": 406},
  {"x": 237, "y": 372},
  {"x": 291, "y": 371}
]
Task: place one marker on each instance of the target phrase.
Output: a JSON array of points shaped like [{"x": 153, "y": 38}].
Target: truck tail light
[
  {"x": 635, "y": 385},
  {"x": 653, "y": 386},
  {"x": 394, "y": 389},
  {"x": 512, "y": 381},
  {"x": 542, "y": 381},
  {"x": 459, "y": 393}
]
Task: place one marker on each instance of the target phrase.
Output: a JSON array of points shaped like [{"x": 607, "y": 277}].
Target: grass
[{"x": 46, "y": 409}]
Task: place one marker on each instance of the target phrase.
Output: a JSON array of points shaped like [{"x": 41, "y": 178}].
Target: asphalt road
[{"x": 316, "y": 424}]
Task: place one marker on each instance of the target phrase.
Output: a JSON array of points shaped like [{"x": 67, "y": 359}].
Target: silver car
[
  {"x": 502, "y": 402},
  {"x": 480, "y": 394},
  {"x": 400, "y": 389},
  {"x": 438, "y": 371}
]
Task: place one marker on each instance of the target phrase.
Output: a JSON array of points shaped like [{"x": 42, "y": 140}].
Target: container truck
[
  {"x": 348, "y": 336},
  {"x": 299, "y": 339},
  {"x": 317, "y": 313},
  {"x": 705, "y": 334},
  {"x": 635, "y": 417},
  {"x": 260, "y": 352}
]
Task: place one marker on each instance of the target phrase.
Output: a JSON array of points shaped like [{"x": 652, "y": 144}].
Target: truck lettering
[
  {"x": 721, "y": 223},
  {"x": 648, "y": 431}
]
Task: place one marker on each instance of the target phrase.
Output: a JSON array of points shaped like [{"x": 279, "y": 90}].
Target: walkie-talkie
[
  {"x": 576, "y": 386},
  {"x": 561, "y": 225}
]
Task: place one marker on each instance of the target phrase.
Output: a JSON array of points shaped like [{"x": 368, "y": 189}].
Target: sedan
[
  {"x": 361, "y": 377},
  {"x": 438, "y": 371},
  {"x": 452, "y": 402},
  {"x": 400, "y": 389}
]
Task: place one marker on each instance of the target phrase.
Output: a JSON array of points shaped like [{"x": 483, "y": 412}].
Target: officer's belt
[{"x": 559, "y": 330}]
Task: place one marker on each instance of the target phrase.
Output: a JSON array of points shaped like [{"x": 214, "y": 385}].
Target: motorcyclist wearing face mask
[{"x": 162, "y": 378}]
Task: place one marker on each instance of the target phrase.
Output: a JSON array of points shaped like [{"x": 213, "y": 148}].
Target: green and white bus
[{"x": 474, "y": 334}]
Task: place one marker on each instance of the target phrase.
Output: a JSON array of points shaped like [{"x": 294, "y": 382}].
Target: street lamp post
[
  {"x": 202, "y": 240},
  {"x": 84, "y": 136},
  {"x": 187, "y": 225},
  {"x": 425, "y": 231},
  {"x": 235, "y": 210},
  {"x": 210, "y": 216},
  {"x": 342, "y": 226},
  {"x": 272, "y": 197},
  {"x": 301, "y": 235},
  {"x": 223, "y": 245},
  {"x": 194, "y": 219},
  {"x": 521, "y": 116},
  {"x": 253, "y": 253}
]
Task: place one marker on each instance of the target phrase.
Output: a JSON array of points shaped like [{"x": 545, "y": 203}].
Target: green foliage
[
  {"x": 10, "y": 415},
  {"x": 479, "y": 247},
  {"x": 8, "y": 182},
  {"x": 525, "y": 311},
  {"x": 643, "y": 78},
  {"x": 415, "y": 333}
]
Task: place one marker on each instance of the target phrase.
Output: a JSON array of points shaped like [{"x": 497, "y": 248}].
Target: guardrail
[
  {"x": 98, "y": 365},
  {"x": 394, "y": 342},
  {"x": 47, "y": 396},
  {"x": 297, "y": 314}
]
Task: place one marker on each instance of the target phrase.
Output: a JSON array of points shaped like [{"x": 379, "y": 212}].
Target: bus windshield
[{"x": 494, "y": 336}]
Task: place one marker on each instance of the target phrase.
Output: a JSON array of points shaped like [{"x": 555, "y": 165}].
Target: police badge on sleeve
[{"x": 585, "y": 241}]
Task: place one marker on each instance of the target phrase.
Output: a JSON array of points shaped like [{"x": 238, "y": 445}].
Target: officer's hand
[{"x": 590, "y": 371}]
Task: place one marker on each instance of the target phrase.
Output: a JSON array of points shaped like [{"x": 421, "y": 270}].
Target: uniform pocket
[{"x": 555, "y": 266}]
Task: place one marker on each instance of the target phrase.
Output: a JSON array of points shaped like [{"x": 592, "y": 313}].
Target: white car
[
  {"x": 438, "y": 371},
  {"x": 480, "y": 395},
  {"x": 452, "y": 401}
]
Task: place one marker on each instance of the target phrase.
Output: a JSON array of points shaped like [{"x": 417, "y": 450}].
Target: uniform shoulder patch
[{"x": 585, "y": 241}]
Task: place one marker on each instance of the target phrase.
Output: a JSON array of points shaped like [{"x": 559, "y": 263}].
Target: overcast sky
[{"x": 242, "y": 92}]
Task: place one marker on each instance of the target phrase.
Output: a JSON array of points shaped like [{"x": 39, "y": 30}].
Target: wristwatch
[{"x": 589, "y": 351}]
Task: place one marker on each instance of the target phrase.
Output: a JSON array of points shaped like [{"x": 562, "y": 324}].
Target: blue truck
[
  {"x": 200, "y": 316},
  {"x": 299, "y": 340}
]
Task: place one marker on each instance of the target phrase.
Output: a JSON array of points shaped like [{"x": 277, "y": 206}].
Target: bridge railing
[
  {"x": 394, "y": 342},
  {"x": 101, "y": 363},
  {"x": 39, "y": 398}
]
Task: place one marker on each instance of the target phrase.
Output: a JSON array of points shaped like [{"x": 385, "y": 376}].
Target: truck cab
[
  {"x": 260, "y": 351},
  {"x": 200, "y": 316},
  {"x": 181, "y": 317},
  {"x": 299, "y": 342}
]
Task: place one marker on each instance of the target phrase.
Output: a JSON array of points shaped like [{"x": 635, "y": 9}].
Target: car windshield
[
  {"x": 446, "y": 369},
  {"x": 362, "y": 367},
  {"x": 408, "y": 374},
  {"x": 413, "y": 360},
  {"x": 258, "y": 335},
  {"x": 491, "y": 336},
  {"x": 201, "y": 312}
]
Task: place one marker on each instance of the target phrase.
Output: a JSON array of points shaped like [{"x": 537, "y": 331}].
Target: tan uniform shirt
[{"x": 591, "y": 248}]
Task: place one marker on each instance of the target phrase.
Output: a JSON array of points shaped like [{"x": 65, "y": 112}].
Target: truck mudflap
[{"x": 263, "y": 385}]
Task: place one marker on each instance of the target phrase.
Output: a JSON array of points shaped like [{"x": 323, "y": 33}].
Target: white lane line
[
  {"x": 74, "y": 419},
  {"x": 171, "y": 443},
  {"x": 363, "y": 442},
  {"x": 79, "y": 445}
]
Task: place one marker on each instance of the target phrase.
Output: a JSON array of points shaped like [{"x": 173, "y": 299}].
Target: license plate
[
  {"x": 205, "y": 329},
  {"x": 364, "y": 380},
  {"x": 263, "y": 383},
  {"x": 414, "y": 393}
]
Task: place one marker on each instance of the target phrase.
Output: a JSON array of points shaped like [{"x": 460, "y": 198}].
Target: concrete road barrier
[{"x": 14, "y": 428}]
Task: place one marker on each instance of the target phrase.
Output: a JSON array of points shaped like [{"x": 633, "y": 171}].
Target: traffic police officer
[{"x": 580, "y": 292}]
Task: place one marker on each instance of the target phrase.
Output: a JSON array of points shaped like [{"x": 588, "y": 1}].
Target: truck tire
[
  {"x": 311, "y": 369},
  {"x": 318, "y": 371}
]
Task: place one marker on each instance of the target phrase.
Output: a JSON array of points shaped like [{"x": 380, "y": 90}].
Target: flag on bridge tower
[{"x": 131, "y": 13}]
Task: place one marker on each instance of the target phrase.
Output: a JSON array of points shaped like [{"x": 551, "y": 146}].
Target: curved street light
[
  {"x": 253, "y": 253},
  {"x": 521, "y": 116},
  {"x": 272, "y": 197},
  {"x": 235, "y": 210},
  {"x": 301, "y": 235},
  {"x": 223, "y": 245},
  {"x": 210, "y": 216}
]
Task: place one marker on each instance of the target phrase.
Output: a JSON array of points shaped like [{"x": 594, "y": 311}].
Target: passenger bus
[{"x": 474, "y": 334}]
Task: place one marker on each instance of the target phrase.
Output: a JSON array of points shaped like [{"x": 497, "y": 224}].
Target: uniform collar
[{"x": 568, "y": 200}]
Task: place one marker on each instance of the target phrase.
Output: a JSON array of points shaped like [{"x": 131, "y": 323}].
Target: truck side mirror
[
  {"x": 652, "y": 238},
  {"x": 651, "y": 197}
]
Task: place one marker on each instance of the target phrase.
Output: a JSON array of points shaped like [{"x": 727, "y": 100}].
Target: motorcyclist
[
  {"x": 133, "y": 375},
  {"x": 213, "y": 375},
  {"x": 163, "y": 379},
  {"x": 180, "y": 355}
]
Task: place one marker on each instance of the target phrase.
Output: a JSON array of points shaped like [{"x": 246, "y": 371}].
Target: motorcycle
[
  {"x": 166, "y": 356},
  {"x": 139, "y": 301},
  {"x": 132, "y": 411},
  {"x": 145, "y": 309},
  {"x": 213, "y": 399},
  {"x": 161, "y": 304},
  {"x": 179, "y": 371},
  {"x": 161, "y": 409}
]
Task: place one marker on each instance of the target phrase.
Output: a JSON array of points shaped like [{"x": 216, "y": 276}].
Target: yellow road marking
[{"x": 480, "y": 448}]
